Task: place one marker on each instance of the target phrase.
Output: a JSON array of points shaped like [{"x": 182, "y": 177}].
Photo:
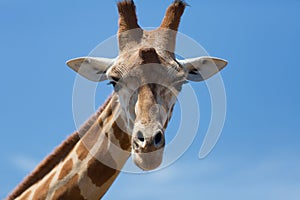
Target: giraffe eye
[{"x": 113, "y": 83}]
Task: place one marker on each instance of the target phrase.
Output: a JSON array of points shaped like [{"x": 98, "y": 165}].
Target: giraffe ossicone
[{"x": 147, "y": 78}]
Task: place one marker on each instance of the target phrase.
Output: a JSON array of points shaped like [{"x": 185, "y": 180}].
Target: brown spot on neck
[
  {"x": 66, "y": 169},
  {"x": 82, "y": 151},
  {"x": 88, "y": 141},
  {"x": 122, "y": 137},
  {"x": 70, "y": 190},
  {"x": 42, "y": 191},
  {"x": 99, "y": 173}
]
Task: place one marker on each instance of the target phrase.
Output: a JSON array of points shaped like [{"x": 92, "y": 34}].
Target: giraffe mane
[{"x": 57, "y": 155}]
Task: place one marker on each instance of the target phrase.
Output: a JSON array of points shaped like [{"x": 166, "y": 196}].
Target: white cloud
[{"x": 23, "y": 162}]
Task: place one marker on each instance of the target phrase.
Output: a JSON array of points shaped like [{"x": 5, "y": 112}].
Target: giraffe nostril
[
  {"x": 135, "y": 145},
  {"x": 158, "y": 138},
  {"x": 140, "y": 136}
]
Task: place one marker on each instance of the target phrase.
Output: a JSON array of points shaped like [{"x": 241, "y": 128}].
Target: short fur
[{"x": 56, "y": 156}]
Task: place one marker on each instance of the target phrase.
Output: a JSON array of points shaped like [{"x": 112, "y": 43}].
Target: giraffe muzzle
[{"x": 147, "y": 150}]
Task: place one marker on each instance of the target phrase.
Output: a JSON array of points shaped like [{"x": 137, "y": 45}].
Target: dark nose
[{"x": 141, "y": 141}]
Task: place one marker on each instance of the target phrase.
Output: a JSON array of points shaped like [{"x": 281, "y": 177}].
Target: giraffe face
[
  {"x": 147, "y": 86},
  {"x": 147, "y": 78}
]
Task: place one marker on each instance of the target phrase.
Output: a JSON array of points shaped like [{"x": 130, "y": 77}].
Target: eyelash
[
  {"x": 113, "y": 81},
  {"x": 115, "y": 84}
]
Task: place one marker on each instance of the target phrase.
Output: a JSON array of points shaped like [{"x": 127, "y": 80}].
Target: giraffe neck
[{"x": 92, "y": 165}]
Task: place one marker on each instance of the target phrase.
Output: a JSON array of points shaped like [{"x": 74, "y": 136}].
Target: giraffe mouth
[
  {"x": 147, "y": 147},
  {"x": 148, "y": 161}
]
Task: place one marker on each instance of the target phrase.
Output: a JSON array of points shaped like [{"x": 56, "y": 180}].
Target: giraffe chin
[{"x": 148, "y": 161}]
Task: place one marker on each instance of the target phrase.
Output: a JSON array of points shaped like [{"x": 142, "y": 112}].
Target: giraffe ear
[
  {"x": 92, "y": 68},
  {"x": 202, "y": 68}
]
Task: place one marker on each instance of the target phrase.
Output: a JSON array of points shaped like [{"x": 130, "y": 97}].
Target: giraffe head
[{"x": 147, "y": 78}]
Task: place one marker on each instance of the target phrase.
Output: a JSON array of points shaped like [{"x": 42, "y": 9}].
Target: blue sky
[{"x": 257, "y": 156}]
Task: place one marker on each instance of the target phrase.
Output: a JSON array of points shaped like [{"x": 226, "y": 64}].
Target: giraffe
[{"x": 146, "y": 78}]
